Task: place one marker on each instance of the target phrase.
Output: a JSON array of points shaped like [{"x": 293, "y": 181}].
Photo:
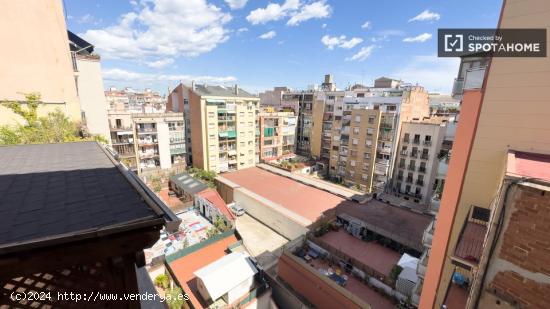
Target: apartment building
[
  {"x": 273, "y": 98},
  {"x": 301, "y": 102},
  {"x": 364, "y": 145},
  {"x": 222, "y": 125},
  {"x": 37, "y": 59},
  {"x": 327, "y": 116},
  {"x": 178, "y": 103},
  {"x": 89, "y": 83},
  {"x": 277, "y": 134},
  {"x": 417, "y": 159},
  {"x": 135, "y": 101},
  {"x": 487, "y": 249},
  {"x": 146, "y": 142}
]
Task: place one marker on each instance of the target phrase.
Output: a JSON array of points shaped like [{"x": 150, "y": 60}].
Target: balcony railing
[
  {"x": 427, "y": 143},
  {"x": 414, "y": 154},
  {"x": 405, "y": 140},
  {"x": 412, "y": 168},
  {"x": 422, "y": 169},
  {"x": 428, "y": 234},
  {"x": 402, "y": 165},
  {"x": 399, "y": 177},
  {"x": 424, "y": 156},
  {"x": 458, "y": 87},
  {"x": 409, "y": 180},
  {"x": 420, "y": 182}
]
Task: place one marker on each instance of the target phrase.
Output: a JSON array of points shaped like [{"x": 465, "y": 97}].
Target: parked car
[{"x": 236, "y": 209}]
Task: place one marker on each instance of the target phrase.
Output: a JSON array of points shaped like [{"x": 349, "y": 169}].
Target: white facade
[{"x": 92, "y": 98}]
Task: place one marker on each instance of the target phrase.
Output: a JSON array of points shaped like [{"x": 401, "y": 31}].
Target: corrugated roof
[
  {"x": 187, "y": 183},
  {"x": 221, "y": 91},
  {"x": 59, "y": 190},
  {"x": 226, "y": 273}
]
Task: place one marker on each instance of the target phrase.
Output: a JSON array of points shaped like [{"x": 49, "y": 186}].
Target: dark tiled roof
[
  {"x": 58, "y": 190},
  {"x": 220, "y": 91},
  {"x": 187, "y": 183}
]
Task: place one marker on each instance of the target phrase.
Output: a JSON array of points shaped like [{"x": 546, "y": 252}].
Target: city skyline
[{"x": 259, "y": 45}]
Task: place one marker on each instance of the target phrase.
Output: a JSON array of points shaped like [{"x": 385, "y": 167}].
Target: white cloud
[
  {"x": 363, "y": 54},
  {"x": 163, "y": 28},
  {"x": 241, "y": 30},
  {"x": 340, "y": 41},
  {"x": 315, "y": 10},
  {"x": 88, "y": 19},
  {"x": 272, "y": 12},
  {"x": 160, "y": 63},
  {"x": 367, "y": 25},
  {"x": 426, "y": 15},
  {"x": 297, "y": 11},
  {"x": 419, "y": 38},
  {"x": 385, "y": 35},
  {"x": 323, "y": 26},
  {"x": 268, "y": 35},
  {"x": 435, "y": 74},
  {"x": 236, "y": 4},
  {"x": 123, "y": 76}
]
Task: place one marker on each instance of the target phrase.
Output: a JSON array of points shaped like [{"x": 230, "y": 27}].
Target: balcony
[
  {"x": 424, "y": 156},
  {"x": 427, "y": 143},
  {"x": 458, "y": 87},
  {"x": 428, "y": 235},
  {"x": 414, "y": 154},
  {"x": 404, "y": 152},
  {"x": 422, "y": 264},
  {"x": 384, "y": 150},
  {"x": 412, "y": 168},
  {"x": 409, "y": 180},
  {"x": 422, "y": 169},
  {"x": 147, "y": 130},
  {"x": 416, "y": 141},
  {"x": 386, "y": 126},
  {"x": 402, "y": 165},
  {"x": 400, "y": 177},
  {"x": 420, "y": 182},
  {"x": 405, "y": 140},
  {"x": 469, "y": 247}
]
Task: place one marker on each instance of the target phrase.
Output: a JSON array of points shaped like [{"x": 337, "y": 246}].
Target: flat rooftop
[
  {"x": 183, "y": 268},
  {"x": 399, "y": 224},
  {"x": 299, "y": 198},
  {"x": 372, "y": 254},
  {"x": 60, "y": 191}
]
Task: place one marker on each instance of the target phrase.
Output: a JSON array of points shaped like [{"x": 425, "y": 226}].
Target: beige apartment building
[
  {"x": 148, "y": 142},
  {"x": 277, "y": 134},
  {"x": 37, "y": 58},
  {"x": 417, "y": 160},
  {"x": 490, "y": 247},
  {"x": 222, "y": 126},
  {"x": 363, "y": 140}
]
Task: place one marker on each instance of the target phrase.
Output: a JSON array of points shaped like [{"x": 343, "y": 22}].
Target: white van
[{"x": 236, "y": 209}]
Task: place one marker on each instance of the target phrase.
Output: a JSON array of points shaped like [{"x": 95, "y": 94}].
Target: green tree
[
  {"x": 207, "y": 177},
  {"x": 174, "y": 298},
  {"x": 55, "y": 127},
  {"x": 162, "y": 281}
]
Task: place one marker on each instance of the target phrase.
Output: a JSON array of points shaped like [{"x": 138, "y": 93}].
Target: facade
[
  {"x": 277, "y": 134},
  {"x": 148, "y": 141},
  {"x": 301, "y": 102},
  {"x": 37, "y": 58},
  {"x": 135, "y": 101},
  {"x": 177, "y": 102},
  {"x": 222, "y": 126},
  {"x": 477, "y": 175},
  {"x": 272, "y": 98},
  {"x": 89, "y": 83},
  {"x": 364, "y": 140},
  {"x": 417, "y": 159}
]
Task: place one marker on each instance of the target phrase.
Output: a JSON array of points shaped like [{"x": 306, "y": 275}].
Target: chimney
[
  {"x": 236, "y": 89},
  {"x": 193, "y": 85}
]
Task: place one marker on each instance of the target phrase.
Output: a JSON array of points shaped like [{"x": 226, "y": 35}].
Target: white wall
[
  {"x": 92, "y": 97},
  {"x": 163, "y": 135},
  {"x": 266, "y": 212},
  {"x": 240, "y": 290}
]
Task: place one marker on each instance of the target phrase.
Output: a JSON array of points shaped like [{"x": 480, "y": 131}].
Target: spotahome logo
[{"x": 492, "y": 42}]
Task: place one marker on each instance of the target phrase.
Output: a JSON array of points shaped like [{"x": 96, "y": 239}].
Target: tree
[
  {"x": 55, "y": 127},
  {"x": 162, "y": 281},
  {"x": 175, "y": 298},
  {"x": 206, "y": 176}
]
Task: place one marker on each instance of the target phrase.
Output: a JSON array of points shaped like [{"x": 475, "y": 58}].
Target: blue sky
[{"x": 261, "y": 44}]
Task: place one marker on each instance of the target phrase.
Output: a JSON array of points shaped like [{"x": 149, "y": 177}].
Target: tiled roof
[
  {"x": 220, "y": 91},
  {"x": 184, "y": 267},
  {"x": 214, "y": 197},
  {"x": 61, "y": 190}
]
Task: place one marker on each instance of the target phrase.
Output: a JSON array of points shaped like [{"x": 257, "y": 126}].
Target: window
[
  {"x": 354, "y": 141},
  {"x": 211, "y": 114},
  {"x": 366, "y": 155},
  {"x": 352, "y": 162},
  {"x": 119, "y": 123},
  {"x": 368, "y": 143},
  {"x": 371, "y": 119},
  {"x": 391, "y": 108},
  {"x": 357, "y": 118},
  {"x": 370, "y": 131},
  {"x": 366, "y": 166},
  {"x": 355, "y": 130},
  {"x": 406, "y": 137},
  {"x": 360, "y": 95},
  {"x": 365, "y": 177}
]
